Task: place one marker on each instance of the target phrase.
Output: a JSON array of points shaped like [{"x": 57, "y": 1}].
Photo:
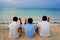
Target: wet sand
[{"x": 55, "y": 34}]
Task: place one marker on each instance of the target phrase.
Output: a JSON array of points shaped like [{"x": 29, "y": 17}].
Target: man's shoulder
[
  {"x": 39, "y": 22},
  {"x": 43, "y": 22},
  {"x": 11, "y": 23},
  {"x": 25, "y": 24},
  {"x": 49, "y": 23},
  {"x": 14, "y": 23},
  {"x": 33, "y": 24},
  {"x": 29, "y": 25}
]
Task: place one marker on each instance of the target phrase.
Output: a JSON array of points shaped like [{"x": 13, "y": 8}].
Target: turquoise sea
[{"x": 53, "y": 13}]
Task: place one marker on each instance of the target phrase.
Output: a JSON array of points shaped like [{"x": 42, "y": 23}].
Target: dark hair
[
  {"x": 44, "y": 18},
  {"x": 15, "y": 19},
  {"x": 30, "y": 20}
]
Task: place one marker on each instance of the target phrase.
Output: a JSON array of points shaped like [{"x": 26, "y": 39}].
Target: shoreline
[{"x": 34, "y": 22}]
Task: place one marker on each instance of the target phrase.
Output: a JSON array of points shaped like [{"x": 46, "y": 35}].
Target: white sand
[{"x": 55, "y": 34}]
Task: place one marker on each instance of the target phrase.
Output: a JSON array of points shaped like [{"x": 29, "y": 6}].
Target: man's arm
[
  {"x": 25, "y": 21},
  {"x": 20, "y": 20},
  {"x": 38, "y": 25},
  {"x": 48, "y": 19},
  {"x": 20, "y": 28}
]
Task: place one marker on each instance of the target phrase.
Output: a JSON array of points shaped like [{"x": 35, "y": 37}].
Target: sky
[{"x": 29, "y": 3}]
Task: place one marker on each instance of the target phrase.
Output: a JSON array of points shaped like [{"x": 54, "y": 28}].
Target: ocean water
[{"x": 53, "y": 13}]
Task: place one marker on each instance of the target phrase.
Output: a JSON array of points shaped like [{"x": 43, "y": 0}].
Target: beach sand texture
[{"x": 55, "y": 34}]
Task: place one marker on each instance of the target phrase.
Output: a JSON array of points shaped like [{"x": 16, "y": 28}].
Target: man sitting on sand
[
  {"x": 29, "y": 28},
  {"x": 13, "y": 28},
  {"x": 44, "y": 27}
]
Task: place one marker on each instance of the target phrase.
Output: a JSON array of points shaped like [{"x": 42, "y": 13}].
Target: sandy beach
[
  {"x": 34, "y": 9},
  {"x": 55, "y": 34}
]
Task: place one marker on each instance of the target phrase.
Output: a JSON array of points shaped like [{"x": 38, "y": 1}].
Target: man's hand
[
  {"x": 48, "y": 19},
  {"x": 20, "y": 20},
  {"x": 25, "y": 21}
]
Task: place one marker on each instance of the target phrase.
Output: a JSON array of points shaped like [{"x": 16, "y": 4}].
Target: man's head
[
  {"x": 44, "y": 18},
  {"x": 30, "y": 20},
  {"x": 15, "y": 19}
]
